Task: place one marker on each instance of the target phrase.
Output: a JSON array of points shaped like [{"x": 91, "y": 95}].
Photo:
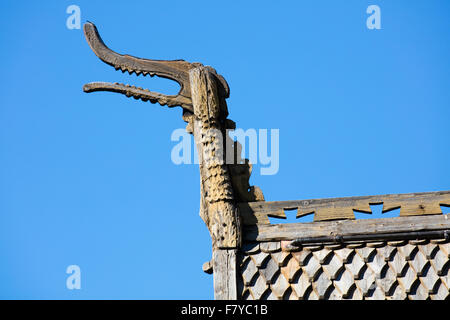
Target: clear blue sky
[{"x": 87, "y": 179}]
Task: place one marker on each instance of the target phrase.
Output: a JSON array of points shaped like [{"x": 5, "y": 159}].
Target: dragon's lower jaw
[{"x": 139, "y": 93}]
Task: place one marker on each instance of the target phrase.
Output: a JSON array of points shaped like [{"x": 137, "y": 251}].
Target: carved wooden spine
[
  {"x": 219, "y": 212},
  {"x": 217, "y": 208}
]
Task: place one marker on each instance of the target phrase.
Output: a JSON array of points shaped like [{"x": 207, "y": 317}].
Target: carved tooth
[
  {"x": 152, "y": 74},
  {"x": 145, "y": 73},
  {"x": 138, "y": 73}
]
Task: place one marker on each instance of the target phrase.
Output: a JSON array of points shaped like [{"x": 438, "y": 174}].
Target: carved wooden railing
[
  {"x": 334, "y": 219},
  {"x": 410, "y": 204}
]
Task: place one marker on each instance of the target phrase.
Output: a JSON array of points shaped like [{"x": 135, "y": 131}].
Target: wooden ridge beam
[{"x": 343, "y": 228}]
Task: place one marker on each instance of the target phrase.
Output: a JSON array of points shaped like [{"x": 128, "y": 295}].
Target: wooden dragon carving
[
  {"x": 202, "y": 97},
  {"x": 228, "y": 203}
]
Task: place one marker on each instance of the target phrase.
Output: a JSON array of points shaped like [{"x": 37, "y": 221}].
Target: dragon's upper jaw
[{"x": 177, "y": 70}]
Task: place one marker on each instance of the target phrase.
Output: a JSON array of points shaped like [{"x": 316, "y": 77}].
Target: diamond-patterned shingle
[{"x": 394, "y": 270}]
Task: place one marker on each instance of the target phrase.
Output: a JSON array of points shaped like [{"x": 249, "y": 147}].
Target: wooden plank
[
  {"x": 424, "y": 203},
  {"x": 291, "y": 231},
  {"x": 419, "y": 204},
  {"x": 224, "y": 273},
  {"x": 251, "y": 214}
]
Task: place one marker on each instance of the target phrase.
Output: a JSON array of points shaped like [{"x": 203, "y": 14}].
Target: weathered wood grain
[
  {"x": 221, "y": 214},
  {"x": 426, "y": 203},
  {"x": 291, "y": 231},
  {"x": 225, "y": 274}
]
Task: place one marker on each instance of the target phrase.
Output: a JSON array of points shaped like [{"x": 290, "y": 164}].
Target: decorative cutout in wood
[{"x": 410, "y": 204}]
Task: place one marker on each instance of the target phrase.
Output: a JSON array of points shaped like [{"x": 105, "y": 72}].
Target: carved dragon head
[{"x": 177, "y": 70}]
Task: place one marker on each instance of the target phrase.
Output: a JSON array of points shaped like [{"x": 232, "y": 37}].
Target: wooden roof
[{"x": 382, "y": 270}]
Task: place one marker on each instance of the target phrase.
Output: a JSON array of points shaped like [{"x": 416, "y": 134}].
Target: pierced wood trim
[
  {"x": 410, "y": 204},
  {"x": 291, "y": 231}
]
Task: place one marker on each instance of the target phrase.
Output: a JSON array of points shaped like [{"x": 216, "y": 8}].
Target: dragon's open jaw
[{"x": 177, "y": 70}]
